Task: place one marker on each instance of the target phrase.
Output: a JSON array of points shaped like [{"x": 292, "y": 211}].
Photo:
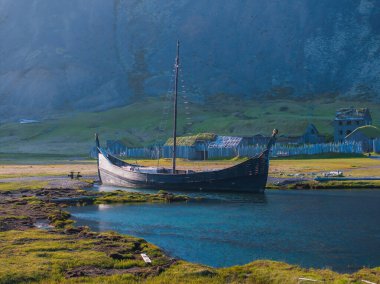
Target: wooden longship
[{"x": 250, "y": 175}]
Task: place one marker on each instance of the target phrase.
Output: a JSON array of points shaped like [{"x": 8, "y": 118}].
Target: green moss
[
  {"x": 135, "y": 197},
  {"x": 257, "y": 272},
  {"x": 191, "y": 140},
  {"x": 17, "y": 217},
  {"x": 123, "y": 264},
  {"x": 368, "y": 130},
  {"x": 36, "y": 255},
  {"x": 30, "y": 185}
]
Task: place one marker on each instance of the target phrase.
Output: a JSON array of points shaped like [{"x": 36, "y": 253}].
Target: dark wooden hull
[{"x": 250, "y": 176}]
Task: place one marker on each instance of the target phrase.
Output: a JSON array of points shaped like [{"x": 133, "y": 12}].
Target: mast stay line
[{"x": 175, "y": 110}]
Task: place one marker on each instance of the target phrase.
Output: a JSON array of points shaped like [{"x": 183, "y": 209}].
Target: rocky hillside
[{"x": 94, "y": 55}]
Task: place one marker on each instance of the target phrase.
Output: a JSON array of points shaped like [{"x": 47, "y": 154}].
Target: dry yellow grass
[
  {"x": 355, "y": 167},
  {"x": 45, "y": 170}
]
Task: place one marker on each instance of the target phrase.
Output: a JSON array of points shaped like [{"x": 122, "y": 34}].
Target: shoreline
[
  {"x": 23, "y": 209},
  {"x": 323, "y": 185}
]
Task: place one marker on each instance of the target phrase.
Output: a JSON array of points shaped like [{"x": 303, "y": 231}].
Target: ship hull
[{"x": 248, "y": 176}]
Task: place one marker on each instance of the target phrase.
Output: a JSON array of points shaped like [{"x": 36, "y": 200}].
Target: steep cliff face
[{"x": 93, "y": 54}]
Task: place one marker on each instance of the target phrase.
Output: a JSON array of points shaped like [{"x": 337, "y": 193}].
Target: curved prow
[
  {"x": 97, "y": 154},
  {"x": 272, "y": 140}
]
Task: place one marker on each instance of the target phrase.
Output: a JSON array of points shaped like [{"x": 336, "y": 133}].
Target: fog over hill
[{"x": 94, "y": 54}]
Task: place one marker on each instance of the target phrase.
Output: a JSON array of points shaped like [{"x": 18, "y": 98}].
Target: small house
[
  {"x": 312, "y": 136},
  {"x": 228, "y": 142},
  {"x": 192, "y": 147},
  {"x": 366, "y": 135},
  {"x": 348, "y": 119},
  {"x": 196, "y": 147}
]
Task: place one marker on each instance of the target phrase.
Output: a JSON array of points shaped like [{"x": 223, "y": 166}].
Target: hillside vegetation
[{"x": 138, "y": 124}]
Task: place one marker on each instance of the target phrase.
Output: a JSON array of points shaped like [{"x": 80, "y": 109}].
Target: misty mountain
[{"x": 94, "y": 54}]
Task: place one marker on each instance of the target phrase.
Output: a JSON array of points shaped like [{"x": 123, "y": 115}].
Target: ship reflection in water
[{"x": 335, "y": 229}]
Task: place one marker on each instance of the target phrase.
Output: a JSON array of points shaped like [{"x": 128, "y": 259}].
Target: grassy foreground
[
  {"x": 63, "y": 253},
  {"x": 86, "y": 257},
  {"x": 82, "y": 257}
]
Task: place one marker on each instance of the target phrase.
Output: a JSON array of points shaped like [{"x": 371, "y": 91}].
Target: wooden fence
[
  {"x": 376, "y": 145},
  {"x": 187, "y": 152},
  {"x": 288, "y": 150}
]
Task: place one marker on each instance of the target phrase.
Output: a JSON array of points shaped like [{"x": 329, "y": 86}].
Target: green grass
[
  {"x": 191, "y": 139},
  {"x": 369, "y": 131},
  {"x": 120, "y": 196},
  {"x": 137, "y": 124},
  {"x": 40, "y": 256},
  {"x": 36, "y": 255},
  {"x": 32, "y": 185},
  {"x": 351, "y": 167},
  {"x": 18, "y": 217},
  {"x": 255, "y": 272},
  {"x": 43, "y": 158}
]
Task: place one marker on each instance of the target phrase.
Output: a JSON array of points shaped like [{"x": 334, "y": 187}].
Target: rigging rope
[{"x": 167, "y": 107}]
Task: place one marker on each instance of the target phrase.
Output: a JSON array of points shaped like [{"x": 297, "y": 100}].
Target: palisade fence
[
  {"x": 278, "y": 150},
  {"x": 376, "y": 145}
]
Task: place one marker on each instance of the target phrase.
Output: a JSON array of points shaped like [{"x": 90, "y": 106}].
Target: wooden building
[
  {"x": 366, "y": 135},
  {"x": 192, "y": 147},
  {"x": 197, "y": 147},
  {"x": 229, "y": 142},
  {"x": 312, "y": 136},
  {"x": 348, "y": 119}
]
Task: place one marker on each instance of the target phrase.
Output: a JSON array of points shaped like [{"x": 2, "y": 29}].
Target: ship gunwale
[{"x": 176, "y": 174}]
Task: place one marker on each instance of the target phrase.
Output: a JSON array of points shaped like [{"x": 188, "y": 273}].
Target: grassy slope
[{"x": 72, "y": 134}]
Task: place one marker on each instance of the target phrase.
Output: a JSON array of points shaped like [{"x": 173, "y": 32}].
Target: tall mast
[{"x": 175, "y": 108}]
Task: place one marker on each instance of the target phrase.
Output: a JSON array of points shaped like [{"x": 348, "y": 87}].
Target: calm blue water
[{"x": 334, "y": 229}]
